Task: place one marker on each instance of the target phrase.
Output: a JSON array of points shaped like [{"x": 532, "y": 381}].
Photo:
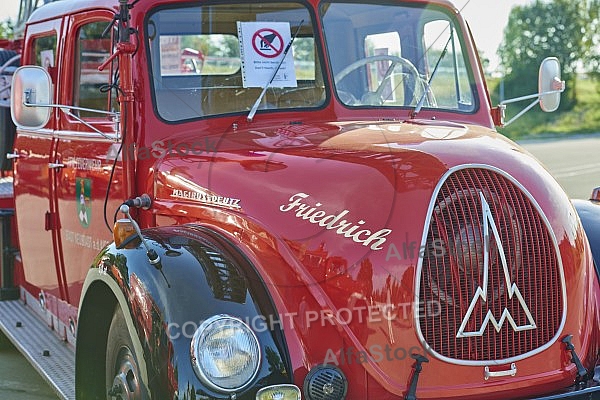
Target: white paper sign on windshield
[{"x": 262, "y": 45}]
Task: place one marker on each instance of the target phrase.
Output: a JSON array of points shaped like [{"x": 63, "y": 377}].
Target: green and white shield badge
[{"x": 83, "y": 193}]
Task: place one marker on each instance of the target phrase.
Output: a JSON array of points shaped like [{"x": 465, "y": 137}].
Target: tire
[
  {"x": 7, "y": 128},
  {"x": 6, "y": 55},
  {"x": 123, "y": 378}
]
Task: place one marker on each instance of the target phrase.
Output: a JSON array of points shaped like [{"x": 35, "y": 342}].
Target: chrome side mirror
[
  {"x": 31, "y": 95},
  {"x": 550, "y": 86}
]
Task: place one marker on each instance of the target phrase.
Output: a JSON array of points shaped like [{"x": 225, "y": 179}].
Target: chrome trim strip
[
  {"x": 72, "y": 135},
  {"x": 420, "y": 267},
  {"x": 42, "y": 132},
  {"x": 105, "y": 137}
]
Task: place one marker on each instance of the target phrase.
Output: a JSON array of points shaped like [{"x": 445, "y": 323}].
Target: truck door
[
  {"x": 34, "y": 172},
  {"x": 87, "y": 147}
]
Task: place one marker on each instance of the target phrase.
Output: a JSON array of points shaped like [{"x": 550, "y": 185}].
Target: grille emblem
[{"x": 482, "y": 291}]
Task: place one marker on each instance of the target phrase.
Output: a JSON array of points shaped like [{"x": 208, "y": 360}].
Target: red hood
[
  {"x": 378, "y": 176},
  {"x": 300, "y": 183}
]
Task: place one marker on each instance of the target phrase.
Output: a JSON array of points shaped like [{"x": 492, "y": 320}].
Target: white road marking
[{"x": 577, "y": 170}]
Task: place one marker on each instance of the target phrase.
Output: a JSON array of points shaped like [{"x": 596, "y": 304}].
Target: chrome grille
[{"x": 498, "y": 279}]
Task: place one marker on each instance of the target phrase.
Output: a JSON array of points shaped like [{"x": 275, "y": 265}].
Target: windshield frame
[
  {"x": 461, "y": 41},
  {"x": 319, "y": 83}
]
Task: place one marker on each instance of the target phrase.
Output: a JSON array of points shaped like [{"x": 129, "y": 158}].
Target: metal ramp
[{"x": 53, "y": 358}]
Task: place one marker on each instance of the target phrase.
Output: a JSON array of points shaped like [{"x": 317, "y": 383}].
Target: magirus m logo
[{"x": 481, "y": 294}]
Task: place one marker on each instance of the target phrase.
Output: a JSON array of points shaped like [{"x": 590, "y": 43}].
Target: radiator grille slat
[{"x": 525, "y": 290}]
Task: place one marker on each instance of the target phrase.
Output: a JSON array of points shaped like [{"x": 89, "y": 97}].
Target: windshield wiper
[
  {"x": 428, "y": 85},
  {"x": 250, "y": 116}
]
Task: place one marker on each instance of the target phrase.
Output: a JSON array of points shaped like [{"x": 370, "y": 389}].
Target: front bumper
[{"x": 589, "y": 392}]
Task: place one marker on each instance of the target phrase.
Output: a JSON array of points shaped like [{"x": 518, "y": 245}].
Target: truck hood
[
  {"x": 347, "y": 206},
  {"x": 377, "y": 176}
]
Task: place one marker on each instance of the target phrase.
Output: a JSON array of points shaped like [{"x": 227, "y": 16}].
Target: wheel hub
[{"x": 125, "y": 383}]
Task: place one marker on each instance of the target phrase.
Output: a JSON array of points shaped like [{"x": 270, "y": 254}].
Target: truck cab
[{"x": 285, "y": 200}]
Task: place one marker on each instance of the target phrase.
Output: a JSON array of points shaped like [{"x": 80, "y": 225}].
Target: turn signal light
[
  {"x": 279, "y": 392},
  {"x": 595, "y": 195},
  {"x": 122, "y": 230}
]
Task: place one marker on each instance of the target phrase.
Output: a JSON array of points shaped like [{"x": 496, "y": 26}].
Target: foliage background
[
  {"x": 567, "y": 29},
  {"x": 570, "y": 31}
]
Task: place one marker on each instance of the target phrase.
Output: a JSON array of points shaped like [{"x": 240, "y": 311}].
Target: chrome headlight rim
[{"x": 195, "y": 350}]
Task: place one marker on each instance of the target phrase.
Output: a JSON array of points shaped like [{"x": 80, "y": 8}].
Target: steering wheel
[{"x": 376, "y": 96}]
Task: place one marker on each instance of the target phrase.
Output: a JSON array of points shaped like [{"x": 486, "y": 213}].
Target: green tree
[
  {"x": 6, "y": 29},
  {"x": 304, "y": 49},
  {"x": 485, "y": 60},
  {"x": 539, "y": 30},
  {"x": 591, "y": 59},
  {"x": 214, "y": 45}
]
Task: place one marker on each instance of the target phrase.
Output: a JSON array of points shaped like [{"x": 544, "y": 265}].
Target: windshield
[
  {"x": 217, "y": 58},
  {"x": 394, "y": 55}
]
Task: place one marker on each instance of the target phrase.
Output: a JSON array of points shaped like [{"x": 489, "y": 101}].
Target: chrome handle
[
  {"x": 10, "y": 156},
  {"x": 487, "y": 374},
  {"x": 55, "y": 165}
]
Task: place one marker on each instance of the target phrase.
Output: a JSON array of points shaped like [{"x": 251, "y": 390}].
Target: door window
[
  {"x": 92, "y": 87},
  {"x": 444, "y": 55},
  {"x": 44, "y": 51}
]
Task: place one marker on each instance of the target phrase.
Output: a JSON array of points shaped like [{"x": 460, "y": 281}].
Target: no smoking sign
[
  {"x": 267, "y": 43},
  {"x": 262, "y": 49}
]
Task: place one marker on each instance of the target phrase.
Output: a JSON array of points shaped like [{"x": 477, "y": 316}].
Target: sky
[
  {"x": 487, "y": 19},
  {"x": 9, "y": 8}
]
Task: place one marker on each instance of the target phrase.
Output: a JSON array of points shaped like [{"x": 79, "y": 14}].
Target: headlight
[{"x": 225, "y": 353}]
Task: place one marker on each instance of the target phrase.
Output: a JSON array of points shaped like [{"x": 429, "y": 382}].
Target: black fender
[
  {"x": 202, "y": 275},
  {"x": 589, "y": 214}
]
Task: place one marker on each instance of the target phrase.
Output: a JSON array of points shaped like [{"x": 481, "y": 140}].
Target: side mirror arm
[
  {"x": 550, "y": 86},
  {"x": 559, "y": 84},
  {"x": 28, "y": 97},
  {"x": 523, "y": 111}
]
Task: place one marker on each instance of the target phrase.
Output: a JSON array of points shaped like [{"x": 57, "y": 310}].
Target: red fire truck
[{"x": 323, "y": 211}]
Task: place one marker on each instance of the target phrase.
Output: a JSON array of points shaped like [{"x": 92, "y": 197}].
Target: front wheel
[{"x": 123, "y": 378}]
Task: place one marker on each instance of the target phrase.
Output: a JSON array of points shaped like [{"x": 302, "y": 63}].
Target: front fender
[
  {"x": 589, "y": 213},
  {"x": 202, "y": 275}
]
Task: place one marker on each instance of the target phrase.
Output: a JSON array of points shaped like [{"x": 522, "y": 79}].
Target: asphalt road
[
  {"x": 18, "y": 380},
  {"x": 574, "y": 162}
]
